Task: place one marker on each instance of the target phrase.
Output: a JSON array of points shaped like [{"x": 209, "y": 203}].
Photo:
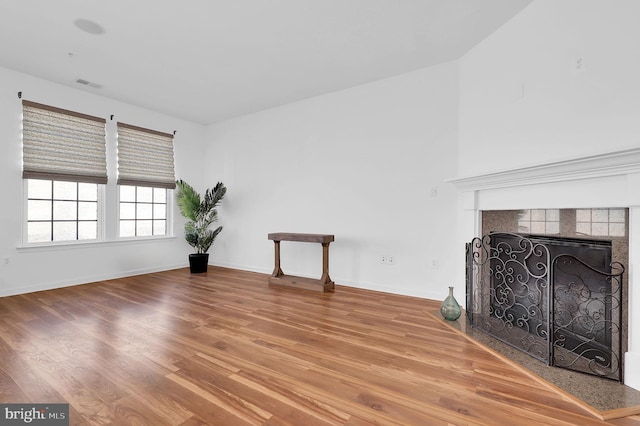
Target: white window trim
[
  {"x": 71, "y": 245},
  {"x": 104, "y": 220},
  {"x": 170, "y": 230},
  {"x": 25, "y": 221}
]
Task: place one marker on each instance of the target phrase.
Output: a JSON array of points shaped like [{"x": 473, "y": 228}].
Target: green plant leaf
[
  {"x": 188, "y": 200},
  {"x": 201, "y": 213}
]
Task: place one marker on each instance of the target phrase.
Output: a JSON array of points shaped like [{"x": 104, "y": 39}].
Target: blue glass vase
[{"x": 450, "y": 308}]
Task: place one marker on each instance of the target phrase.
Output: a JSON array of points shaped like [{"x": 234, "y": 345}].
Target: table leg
[
  {"x": 277, "y": 271},
  {"x": 325, "y": 279}
]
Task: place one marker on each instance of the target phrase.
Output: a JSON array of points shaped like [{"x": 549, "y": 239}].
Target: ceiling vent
[{"x": 88, "y": 83}]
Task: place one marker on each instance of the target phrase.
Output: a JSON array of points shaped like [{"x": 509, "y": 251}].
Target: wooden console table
[{"x": 278, "y": 278}]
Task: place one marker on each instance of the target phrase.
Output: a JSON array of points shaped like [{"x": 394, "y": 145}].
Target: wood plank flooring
[{"x": 224, "y": 348}]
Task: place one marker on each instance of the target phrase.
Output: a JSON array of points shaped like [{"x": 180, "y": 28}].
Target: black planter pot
[{"x": 198, "y": 262}]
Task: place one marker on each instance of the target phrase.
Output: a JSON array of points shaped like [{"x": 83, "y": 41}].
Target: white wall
[
  {"x": 360, "y": 164},
  {"x": 29, "y": 269},
  {"x": 522, "y": 98},
  {"x": 526, "y": 100}
]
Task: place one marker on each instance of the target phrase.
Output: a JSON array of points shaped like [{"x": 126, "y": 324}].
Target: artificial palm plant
[{"x": 200, "y": 213}]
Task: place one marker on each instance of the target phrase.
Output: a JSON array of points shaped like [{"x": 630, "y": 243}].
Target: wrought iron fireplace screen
[{"x": 556, "y": 299}]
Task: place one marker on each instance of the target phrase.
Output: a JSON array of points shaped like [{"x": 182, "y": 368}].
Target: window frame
[
  {"x": 100, "y": 219},
  {"x": 169, "y": 231}
]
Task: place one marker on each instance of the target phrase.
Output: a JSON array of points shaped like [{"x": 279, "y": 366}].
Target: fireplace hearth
[{"x": 558, "y": 299}]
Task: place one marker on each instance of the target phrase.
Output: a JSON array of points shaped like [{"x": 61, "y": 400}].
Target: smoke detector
[{"x": 89, "y": 26}]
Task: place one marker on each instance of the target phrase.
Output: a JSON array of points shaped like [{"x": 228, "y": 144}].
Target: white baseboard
[
  {"x": 340, "y": 281},
  {"x": 11, "y": 291}
]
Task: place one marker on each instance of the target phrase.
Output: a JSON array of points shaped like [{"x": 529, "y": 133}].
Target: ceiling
[{"x": 210, "y": 60}]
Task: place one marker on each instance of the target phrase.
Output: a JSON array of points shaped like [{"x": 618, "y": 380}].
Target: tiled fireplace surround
[{"x": 599, "y": 181}]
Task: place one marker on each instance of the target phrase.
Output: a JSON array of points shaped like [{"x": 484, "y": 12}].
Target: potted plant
[{"x": 201, "y": 213}]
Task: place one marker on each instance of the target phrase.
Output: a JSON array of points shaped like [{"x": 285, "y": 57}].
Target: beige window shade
[
  {"x": 62, "y": 145},
  {"x": 145, "y": 157}
]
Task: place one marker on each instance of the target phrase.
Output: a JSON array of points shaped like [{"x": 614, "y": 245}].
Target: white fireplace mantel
[
  {"x": 606, "y": 180},
  {"x": 617, "y": 163}
]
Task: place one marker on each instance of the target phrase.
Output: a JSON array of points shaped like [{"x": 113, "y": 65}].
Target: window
[
  {"x": 65, "y": 178},
  {"x": 143, "y": 211},
  {"x": 61, "y": 211},
  {"x": 145, "y": 175},
  {"x": 64, "y": 165}
]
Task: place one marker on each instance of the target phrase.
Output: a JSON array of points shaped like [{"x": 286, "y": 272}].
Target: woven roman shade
[
  {"x": 145, "y": 157},
  {"x": 58, "y": 144}
]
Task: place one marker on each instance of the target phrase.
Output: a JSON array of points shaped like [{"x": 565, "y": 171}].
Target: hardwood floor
[{"x": 223, "y": 348}]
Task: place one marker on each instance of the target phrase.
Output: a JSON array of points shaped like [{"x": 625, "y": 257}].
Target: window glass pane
[
  {"x": 64, "y": 231},
  {"x": 159, "y": 195},
  {"x": 145, "y": 211},
  {"x": 38, "y": 210},
  {"x": 145, "y": 194},
  {"x": 65, "y": 190},
  {"x": 65, "y": 210},
  {"x": 159, "y": 227},
  {"x": 88, "y": 211},
  {"x": 39, "y": 188},
  {"x": 87, "y": 230},
  {"x": 144, "y": 228},
  {"x": 88, "y": 191},
  {"x": 159, "y": 211},
  {"x": 127, "y": 228},
  {"x": 127, "y": 193},
  {"x": 38, "y": 231},
  {"x": 127, "y": 211}
]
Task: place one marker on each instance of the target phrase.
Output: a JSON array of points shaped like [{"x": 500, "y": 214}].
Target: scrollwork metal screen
[{"x": 556, "y": 299}]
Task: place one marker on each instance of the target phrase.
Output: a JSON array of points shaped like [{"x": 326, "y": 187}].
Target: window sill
[{"x": 72, "y": 245}]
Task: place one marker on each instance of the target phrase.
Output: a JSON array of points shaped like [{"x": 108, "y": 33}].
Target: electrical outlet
[
  {"x": 386, "y": 260},
  {"x": 389, "y": 260}
]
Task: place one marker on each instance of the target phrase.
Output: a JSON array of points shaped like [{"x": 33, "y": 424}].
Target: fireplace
[
  {"x": 594, "y": 182},
  {"x": 557, "y": 299}
]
